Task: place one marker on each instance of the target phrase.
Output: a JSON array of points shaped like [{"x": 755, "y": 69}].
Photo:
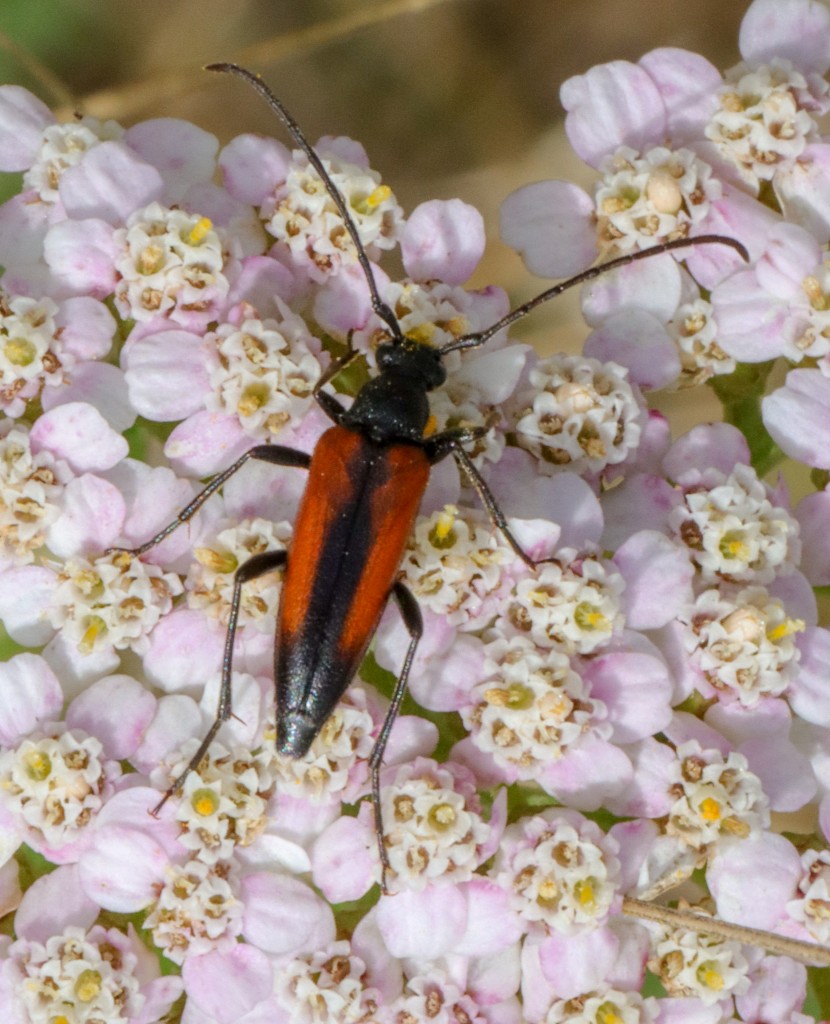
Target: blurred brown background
[{"x": 450, "y": 97}]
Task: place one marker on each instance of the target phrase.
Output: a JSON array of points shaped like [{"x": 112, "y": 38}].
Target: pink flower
[
  {"x": 622, "y": 669},
  {"x": 63, "y": 962},
  {"x": 560, "y": 872},
  {"x": 58, "y": 777}
]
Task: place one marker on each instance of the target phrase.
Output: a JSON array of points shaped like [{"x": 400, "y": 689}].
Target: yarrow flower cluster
[
  {"x": 170, "y": 264},
  {"x": 30, "y": 491},
  {"x": 579, "y": 414},
  {"x": 302, "y": 217},
  {"x": 734, "y": 532},
  {"x": 210, "y": 583},
  {"x": 617, "y": 648},
  {"x": 85, "y": 975},
  {"x": 704, "y": 968},
  {"x": 654, "y": 197},
  {"x": 56, "y": 784},
  {"x": 263, "y": 372}
]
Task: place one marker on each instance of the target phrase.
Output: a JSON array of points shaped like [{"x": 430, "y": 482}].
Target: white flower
[
  {"x": 210, "y": 582},
  {"x": 703, "y": 967},
  {"x": 302, "y": 214},
  {"x": 327, "y": 988},
  {"x": 579, "y": 414},
  {"x": 734, "y": 532},
  {"x": 171, "y": 264},
  {"x": 64, "y": 146},
  {"x": 30, "y": 485},
  {"x": 115, "y": 600},
  {"x": 717, "y": 797},
  {"x": 432, "y": 825},
  {"x": 744, "y": 644},
  {"x": 653, "y": 198},
  {"x": 572, "y": 604},
  {"x": 56, "y": 783},
  {"x": 453, "y": 564},
  {"x": 767, "y": 115},
  {"x": 73, "y": 977},
  {"x": 433, "y": 996},
  {"x": 264, "y": 372},
  {"x": 223, "y": 800},
  {"x": 197, "y": 911},
  {"x": 559, "y": 869},
  {"x": 530, "y": 708},
  {"x": 696, "y": 335},
  {"x": 812, "y": 906},
  {"x": 607, "y": 1006},
  {"x": 814, "y": 319},
  {"x": 31, "y": 353},
  {"x": 430, "y": 313}
]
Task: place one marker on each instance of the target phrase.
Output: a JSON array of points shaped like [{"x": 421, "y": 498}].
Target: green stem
[{"x": 740, "y": 394}]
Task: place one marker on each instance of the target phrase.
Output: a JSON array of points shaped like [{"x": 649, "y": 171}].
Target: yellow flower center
[
  {"x": 585, "y": 893},
  {"x": 88, "y": 985},
  {"x": 589, "y": 617},
  {"x": 150, "y": 260},
  {"x": 38, "y": 765},
  {"x": 442, "y": 535},
  {"x": 205, "y": 802},
  {"x": 709, "y": 974},
  {"x": 710, "y": 809},
  {"x": 609, "y": 1013},
  {"x": 20, "y": 351},
  {"x": 733, "y": 545},
  {"x": 95, "y": 628},
  {"x": 198, "y": 232}
]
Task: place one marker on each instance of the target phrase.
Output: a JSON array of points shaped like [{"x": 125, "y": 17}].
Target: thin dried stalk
[
  {"x": 806, "y": 952},
  {"x": 126, "y": 102},
  {"x": 57, "y": 93}
]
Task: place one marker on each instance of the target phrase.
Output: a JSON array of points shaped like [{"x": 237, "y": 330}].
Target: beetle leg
[
  {"x": 256, "y": 566},
  {"x": 328, "y": 403},
  {"x": 439, "y": 446},
  {"x": 330, "y": 406},
  {"x": 412, "y": 619},
  {"x": 452, "y": 442},
  {"x": 336, "y": 366},
  {"x": 276, "y": 454}
]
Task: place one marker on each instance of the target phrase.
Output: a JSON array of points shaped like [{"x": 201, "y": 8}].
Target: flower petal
[
  {"x": 181, "y": 152},
  {"x": 108, "y": 184},
  {"x": 550, "y": 224},
  {"x": 798, "y": 30},
  {"x": 443, "y": 240},
  {"x": 612, "y": 105},
  {"x": 22, "y": 120},
  {"x": 79, "y": 433}
]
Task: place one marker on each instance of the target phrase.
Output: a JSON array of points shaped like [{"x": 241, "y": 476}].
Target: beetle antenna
[
  {"x": 378, "y": 305},
  {"x": 479, "y": 337}
]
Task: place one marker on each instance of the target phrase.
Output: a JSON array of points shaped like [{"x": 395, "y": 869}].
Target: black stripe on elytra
[{"x": 314, "y": 660}]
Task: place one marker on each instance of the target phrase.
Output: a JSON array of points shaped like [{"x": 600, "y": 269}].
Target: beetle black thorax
[{"x": 393, "y": 405}]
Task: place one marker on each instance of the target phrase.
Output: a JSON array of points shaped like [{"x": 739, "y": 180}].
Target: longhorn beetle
[{"x": 366, "y": 478}]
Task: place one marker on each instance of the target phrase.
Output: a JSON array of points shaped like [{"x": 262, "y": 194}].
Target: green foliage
[
  {"x": 146, "y": 440},
  {"x": 818, "y": 993},
  {"x": 31, "y": 866},
  {"x": 10, "y": 185},
  {"x": 71, "y": 38},
  {"x": 740, "y": 393},
  {"x": 8, "y": 647},
  {"x": 524, "y": 800},
  {"x": 653, "y": 987}
]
